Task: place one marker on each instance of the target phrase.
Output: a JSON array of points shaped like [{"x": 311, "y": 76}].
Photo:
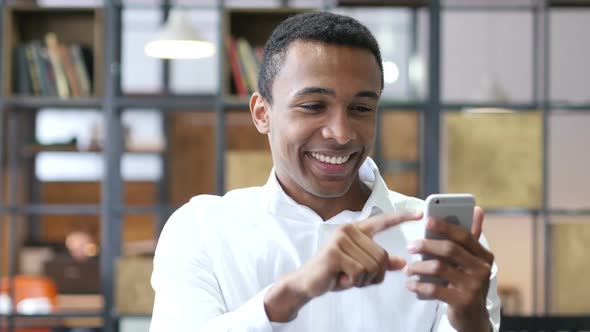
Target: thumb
[{"x": 477, "y": 226}]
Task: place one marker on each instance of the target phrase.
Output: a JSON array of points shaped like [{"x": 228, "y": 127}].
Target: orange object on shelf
[{"x": 27, "y": 287}]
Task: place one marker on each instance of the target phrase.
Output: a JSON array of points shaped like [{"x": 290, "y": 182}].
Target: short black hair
[{"x": 318, "y": 26}]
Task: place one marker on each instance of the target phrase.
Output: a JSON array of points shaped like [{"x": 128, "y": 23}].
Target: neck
[{"x": 328, "y": 207}]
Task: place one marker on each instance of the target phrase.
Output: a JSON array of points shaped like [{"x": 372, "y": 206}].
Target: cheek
[
  {"x": 366, "y": 132},
  {"x": 291, "y": 144}
]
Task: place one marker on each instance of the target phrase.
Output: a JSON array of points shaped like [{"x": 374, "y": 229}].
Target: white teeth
[{"x": 336, "y": 160}]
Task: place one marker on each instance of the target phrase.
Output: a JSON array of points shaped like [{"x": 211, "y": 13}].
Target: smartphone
[{"x": 453, "y": 208}]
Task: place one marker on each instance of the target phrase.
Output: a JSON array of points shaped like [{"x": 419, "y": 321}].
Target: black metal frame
[
  {"x": 545, "y": 323},
  {"x": 112, "y": 196}
]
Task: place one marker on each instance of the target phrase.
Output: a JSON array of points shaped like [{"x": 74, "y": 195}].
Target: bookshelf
[
  {"x": 24, "y": 24},
  {"x": 247, "y": 40}
]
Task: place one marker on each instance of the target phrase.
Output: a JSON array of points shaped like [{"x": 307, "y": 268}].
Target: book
[
  {"x": 236, "y": 70},
  {"x": 43, "y": 67},
  {"x": 248, "y": 62},
  {"x": 59, "y": 75},
  {"x": 33, "y": 70},
  {"x": 259, "y": 53},
  {"x": 81, "y": 69},
  {"x": 22, "y": 78},
  {"x": 70, "y": 71},
  {"x": 56, "y": 70}
]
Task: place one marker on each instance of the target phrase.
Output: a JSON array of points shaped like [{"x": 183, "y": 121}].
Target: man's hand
[
  {"x": 350, "y": 259},
  {"x": 464, "y": 263}
]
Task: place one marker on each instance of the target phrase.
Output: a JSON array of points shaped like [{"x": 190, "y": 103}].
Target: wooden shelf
[
  {"x": 34, "y": 149},
  {"x": 34, "y": 102},
  {"x": 238, "y": 24},
  {"x": 171, "y": 102},
  {"x": 72, "y": 311}
]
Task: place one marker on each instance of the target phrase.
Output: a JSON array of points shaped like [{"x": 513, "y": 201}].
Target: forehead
[{"x": 313, "y": 63}]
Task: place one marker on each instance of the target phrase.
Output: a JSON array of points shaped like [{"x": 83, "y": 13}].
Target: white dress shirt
[{"x": 218, "y": 256}]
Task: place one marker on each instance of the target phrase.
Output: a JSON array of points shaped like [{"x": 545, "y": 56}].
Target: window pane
[
  {"x": 145, "y": 142},
  {"x": 569, "y": 258},
  {"x": 69, "y": 3},
  {"x": 476, "y": 63},
  {"x": 155, "y": 3},
  {"x": 143, "y": 130},
  {"x": 497, "y": 157},
  {"x": 139, "y": 72},
  {"x": 306, "y": 3},
  {"x": 252, "y": 3},
  {"x": 570, "y": 75},
  {"x": 392, "y": 28},
  {"x": 68, "y": 166},
  {"x": 569, "y": 181},
  {"x": 141, "y": 167},
  {"x": 198, "y": 75},
  {"x": 54, "y": 126},
  {"x": 511, "y": 240}
]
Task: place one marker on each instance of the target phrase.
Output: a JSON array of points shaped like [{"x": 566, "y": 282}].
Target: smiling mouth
[{"x": 334, "y": 160}]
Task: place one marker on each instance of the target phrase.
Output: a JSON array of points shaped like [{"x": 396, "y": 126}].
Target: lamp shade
[{"x": 178, "y": 39}]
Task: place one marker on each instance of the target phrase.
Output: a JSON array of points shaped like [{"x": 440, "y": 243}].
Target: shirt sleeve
[
  {"x": 188, "y": 296},
  {"x": 442, "y": 323}
]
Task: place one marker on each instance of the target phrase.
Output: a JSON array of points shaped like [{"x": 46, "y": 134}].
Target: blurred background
[{"x": 102, "y": 139}]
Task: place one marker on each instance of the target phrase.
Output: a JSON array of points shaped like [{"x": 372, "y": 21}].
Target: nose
[{"x": 338, "y": 127}]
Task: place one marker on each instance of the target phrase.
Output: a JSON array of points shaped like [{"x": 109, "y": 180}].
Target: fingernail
[
  {"x": 413, "y": 246},
  {"x": 411, "y": 285}
]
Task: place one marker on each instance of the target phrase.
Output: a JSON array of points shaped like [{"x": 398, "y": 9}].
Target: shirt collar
[{"x": 283, "y": 205}]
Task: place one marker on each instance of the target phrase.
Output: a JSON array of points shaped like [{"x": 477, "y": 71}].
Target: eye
[
  {"x": 313, "y": 107},
  {"x": 361, "y": 108}
]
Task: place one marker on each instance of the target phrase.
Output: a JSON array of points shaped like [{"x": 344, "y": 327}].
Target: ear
[{"x": 260, "y": 113}]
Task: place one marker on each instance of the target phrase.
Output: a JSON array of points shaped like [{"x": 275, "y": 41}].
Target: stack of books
[
  {"x": 52, "y": 69},
  {"x": 245, "y": 64}
]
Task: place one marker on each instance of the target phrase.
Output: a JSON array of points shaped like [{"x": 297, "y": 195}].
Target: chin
[{"x": 329, "y": 191}]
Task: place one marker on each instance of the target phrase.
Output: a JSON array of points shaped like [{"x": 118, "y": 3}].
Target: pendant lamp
[{"x": 178, "y": 39}]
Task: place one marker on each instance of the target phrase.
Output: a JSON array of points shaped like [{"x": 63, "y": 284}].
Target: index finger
[{"x": 379, "y": 223}]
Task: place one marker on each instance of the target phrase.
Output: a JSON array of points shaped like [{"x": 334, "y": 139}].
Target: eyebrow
[
  {"x": 315, "y": 90},
  {"x": 330, "y": 92}
]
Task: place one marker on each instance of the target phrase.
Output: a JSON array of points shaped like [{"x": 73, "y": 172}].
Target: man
[{"x": 320, "y": 246}]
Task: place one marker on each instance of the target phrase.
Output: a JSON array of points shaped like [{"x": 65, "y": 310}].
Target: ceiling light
[
  {"x": 390, "y": 72},
  {"x": 178, "y": 39}
]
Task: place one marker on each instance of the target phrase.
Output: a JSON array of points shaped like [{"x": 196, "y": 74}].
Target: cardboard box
[{"x": 133, "y": 292}]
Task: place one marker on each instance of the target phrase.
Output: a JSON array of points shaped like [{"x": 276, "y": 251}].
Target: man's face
[{"x": 322, "y": 119}]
